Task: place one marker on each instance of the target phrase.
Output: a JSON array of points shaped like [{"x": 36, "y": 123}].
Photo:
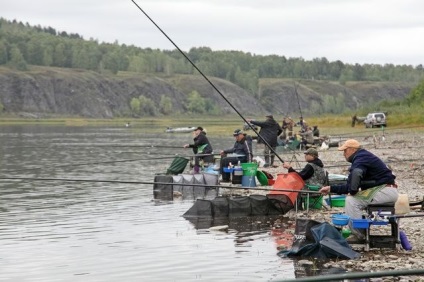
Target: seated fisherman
[
  {"x": 313, "y": 173},
  {"x": 242, "y": 151},
  {"x": 369, "y": 181},
  {"x": 307, "y": 137},
  {"x": 202, "y": 148}
]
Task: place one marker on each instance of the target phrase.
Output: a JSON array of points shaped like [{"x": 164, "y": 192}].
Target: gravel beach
[{"x": 402, "y": 152}]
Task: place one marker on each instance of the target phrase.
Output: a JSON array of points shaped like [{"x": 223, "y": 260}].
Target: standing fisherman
[{"x": 270, "y": 130}]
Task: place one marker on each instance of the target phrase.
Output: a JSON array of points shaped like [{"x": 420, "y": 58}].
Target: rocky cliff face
[{"x": 65, "y": 92}]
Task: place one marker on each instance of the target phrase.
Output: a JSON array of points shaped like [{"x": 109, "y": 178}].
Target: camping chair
[
  {"x": 177, "y": 166},
  {"x": 313, "y": 201},
  {"x": 291, "y": 147}
]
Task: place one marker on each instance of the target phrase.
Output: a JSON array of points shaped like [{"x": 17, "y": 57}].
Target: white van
[{"x": 375, "y": 120}]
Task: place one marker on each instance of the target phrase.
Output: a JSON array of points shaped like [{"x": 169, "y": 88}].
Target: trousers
[{"x": 355, "y": 207}]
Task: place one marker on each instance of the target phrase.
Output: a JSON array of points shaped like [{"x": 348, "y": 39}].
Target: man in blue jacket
[
  {"x": 241, "y": 152},
  {"x": 369, "y": 181}
]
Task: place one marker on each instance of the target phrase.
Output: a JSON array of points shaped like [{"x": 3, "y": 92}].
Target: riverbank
[{"x": 402, "y": 152}]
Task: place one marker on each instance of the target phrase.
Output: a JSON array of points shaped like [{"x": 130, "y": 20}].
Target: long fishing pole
[
  {"x": 207, "y": 79},
  {"x": 160, "y": 183},
  {"x": 98, "y": 145},
  {"x": 298, "y": 103},
  {"x": 109, "y": 162}
]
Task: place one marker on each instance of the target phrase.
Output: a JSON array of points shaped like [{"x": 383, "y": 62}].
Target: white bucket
[{"x": 402, "y": 204}]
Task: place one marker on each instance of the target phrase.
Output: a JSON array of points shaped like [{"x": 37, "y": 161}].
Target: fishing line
[
  {"x": 153, "y": 182},
  {"x": 207, "y": 79}
]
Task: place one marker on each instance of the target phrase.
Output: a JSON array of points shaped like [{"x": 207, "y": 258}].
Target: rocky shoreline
[{"x": 403, "y": 154}]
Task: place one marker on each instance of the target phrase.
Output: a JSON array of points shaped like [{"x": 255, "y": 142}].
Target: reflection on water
[{"x": 106, "y": 231}]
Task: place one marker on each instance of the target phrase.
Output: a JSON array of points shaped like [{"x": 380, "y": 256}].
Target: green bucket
[
  {"x": 313, "y": 202},
  {"x": 249, "y": 169}
]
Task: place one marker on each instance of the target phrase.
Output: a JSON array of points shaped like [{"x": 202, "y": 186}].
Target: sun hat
[
  {"x": 312, "y": 152},
  {"x": 351, "y": 143}
]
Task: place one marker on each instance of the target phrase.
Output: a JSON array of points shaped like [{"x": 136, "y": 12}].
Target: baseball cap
[
  {"x": 351, "y": 143},
  {"x": 198, "y": 128},
  {"x": 237, "y": 132},
  {"x": 312, "y": 152}
]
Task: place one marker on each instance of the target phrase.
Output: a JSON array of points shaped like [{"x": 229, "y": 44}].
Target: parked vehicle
[{"x": 375, "y": 120}]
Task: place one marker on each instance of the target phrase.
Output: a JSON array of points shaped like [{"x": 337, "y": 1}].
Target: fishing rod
[
  {"x": 99, "y": 145},
  {"x": 116, "y": 161},
  {"x": 298, "y": 103},
  {"x": 209, "y": 81},
  {"x": 153, "y": 182}
]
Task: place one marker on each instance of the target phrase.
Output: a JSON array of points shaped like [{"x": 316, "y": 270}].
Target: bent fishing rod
[
  {"x": 159, "y": 183},
  {"x": 209, "y": 81}
]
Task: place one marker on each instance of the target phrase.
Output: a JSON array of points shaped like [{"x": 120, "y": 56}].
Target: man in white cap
[{"x": 369, "y": 181}]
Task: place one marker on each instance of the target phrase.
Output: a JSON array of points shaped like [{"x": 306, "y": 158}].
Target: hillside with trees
[{"x": 50, "y": 72}]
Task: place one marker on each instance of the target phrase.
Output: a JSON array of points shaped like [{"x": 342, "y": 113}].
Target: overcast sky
[{"x": 353, "y": 31}]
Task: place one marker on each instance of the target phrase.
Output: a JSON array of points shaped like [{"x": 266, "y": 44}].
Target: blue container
[
  {"x": 228, "y": 170},
  {"x": 360, "y": 223},
  {"x": 248, "y": 181}
]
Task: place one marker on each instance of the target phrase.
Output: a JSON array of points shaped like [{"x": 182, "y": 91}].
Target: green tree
[
  {"x": 165, "y": 105},
  {"x": 3, "y": 52},
  {"x": 17, "y": 61},
  {"x": 135, "y": 106},
  {"x": 147, "y": 106},
  {"x": 196, "y": 103},
  {"x": 416, "y": 96}
]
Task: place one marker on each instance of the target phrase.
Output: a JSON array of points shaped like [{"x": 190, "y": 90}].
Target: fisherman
[
  {"x": 307, "y": 137},
  {"x": 369, "y": 181},
  {"x": 242, "y": 152},
  {"x": 313, "y": 173},
  {"x": 270, "y": 130},
  {"x": 202, "y": 148},
  {"x": 315, "y": 131},
  {"x": 354, "y": 120}
]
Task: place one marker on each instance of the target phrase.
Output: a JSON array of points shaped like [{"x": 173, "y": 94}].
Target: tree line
[{"x": 22, "y": 45}]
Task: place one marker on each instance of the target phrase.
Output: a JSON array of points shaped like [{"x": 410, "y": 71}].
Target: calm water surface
[{"x": 102, "y": 231}]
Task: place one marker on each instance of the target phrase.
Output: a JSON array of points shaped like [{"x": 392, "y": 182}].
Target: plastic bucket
[
  {"x": 313, "y": 203},
  {"x": 249, "y": 169},
  {"x": 248, "y": 181},
  {"x": 336, "y": 201}
]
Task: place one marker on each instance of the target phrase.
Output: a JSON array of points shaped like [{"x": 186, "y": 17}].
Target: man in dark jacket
[
  {"x": 242, "y": 152},
  {"x": 201, "y": 146},
  {"x": 270, "y": 130},
  {"x": 369, "y": 181},
  {"x": 313, "y": 173}
]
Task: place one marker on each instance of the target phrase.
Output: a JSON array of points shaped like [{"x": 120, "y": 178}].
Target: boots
[{"x": 226, "y": 177}]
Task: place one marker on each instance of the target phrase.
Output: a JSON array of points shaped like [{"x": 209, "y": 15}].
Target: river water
[{"x": 99, "y": 228}]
